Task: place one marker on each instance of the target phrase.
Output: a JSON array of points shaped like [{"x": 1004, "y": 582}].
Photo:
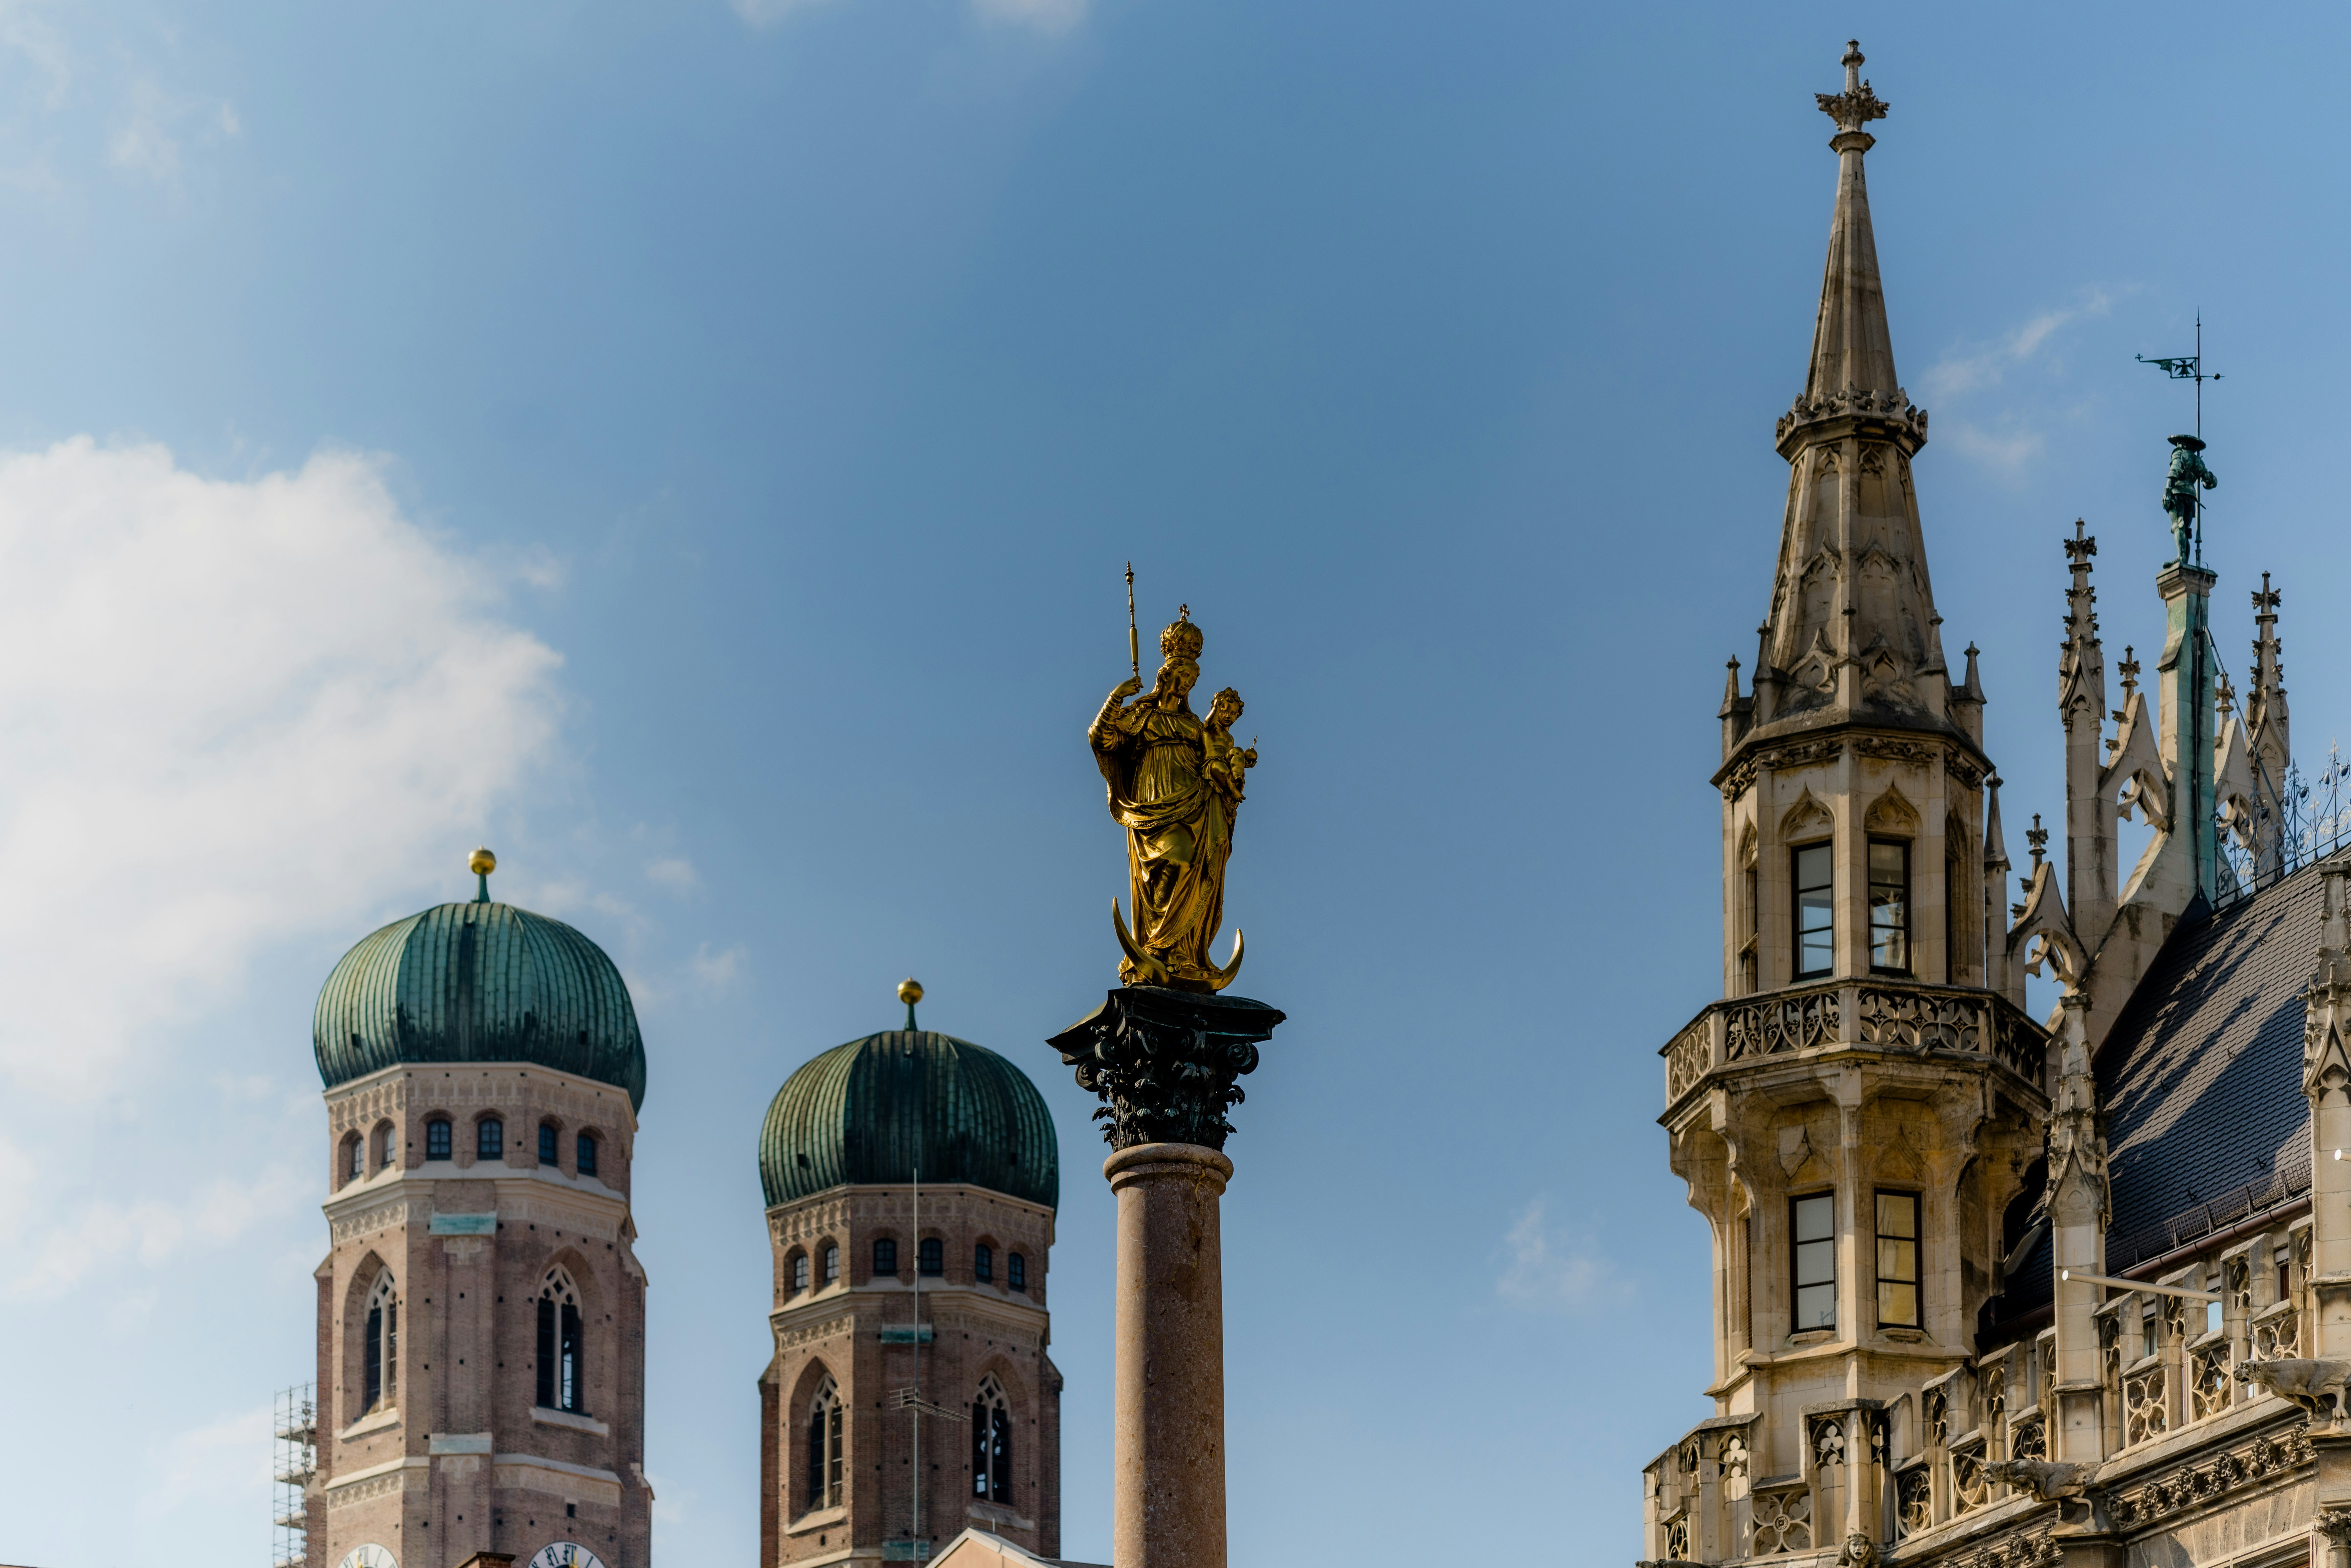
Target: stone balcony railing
[{"x": 1879, "y": 1013}]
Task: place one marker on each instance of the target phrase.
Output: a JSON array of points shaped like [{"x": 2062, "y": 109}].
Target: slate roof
[{"x": 2201, "y": 1082}]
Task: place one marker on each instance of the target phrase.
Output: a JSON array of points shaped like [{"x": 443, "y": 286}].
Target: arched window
[
  {"x": 799, "y": 1272},
  {"x": 379, "y": 1353},
  {"x": 824, "y": 1448},
  {"x": 934, "y": 1255},
  {"x": 560, "y": 1374},
  {"x": 885, "y": 1256},
  {"x": 1015, "y": 1272},
  {"x": 983, "y": 1263},
  {"x": 391, "y": 1147},
  {"x": 547, "y": 1155},
  {"x": 436, "y": 1138},
  {"x": 587, "y": 1154},
  {"x": 490, "y": 1139},
  {"x": 991, "y": 1443},
  {"x": 831, "y": 1263},
  {"x": 354, "y": 1158}
]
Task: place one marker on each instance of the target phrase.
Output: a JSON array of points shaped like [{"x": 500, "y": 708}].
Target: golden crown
[{"x": 1181, "y": 641}]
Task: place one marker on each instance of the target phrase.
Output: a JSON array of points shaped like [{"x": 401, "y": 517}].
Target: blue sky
[{"x": 694, "y": 448}]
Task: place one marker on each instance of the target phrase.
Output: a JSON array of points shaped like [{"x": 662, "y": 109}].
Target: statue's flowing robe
[{"x": 1178, "y": 831}]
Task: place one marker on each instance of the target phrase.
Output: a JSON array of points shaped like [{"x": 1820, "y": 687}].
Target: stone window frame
[
  {"x": 1917, "y": 1240},
  {"x": 1795, "y": 1255},
  {"x": 992, "y": 1459},
  {"x": 1908, "y": 929},
  {"x": 379, "y": 1344},
  {"x": 559, "y": 1296},
  {"x": 1796, "y": 890},
  {"x": 825, "y": 1447}
]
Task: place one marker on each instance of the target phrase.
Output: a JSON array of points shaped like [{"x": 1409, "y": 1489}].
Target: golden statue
[{"x": 1176, "y": 784}]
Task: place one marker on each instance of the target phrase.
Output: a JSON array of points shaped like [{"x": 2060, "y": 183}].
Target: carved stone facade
[{"x": 1991, "y": 1292}]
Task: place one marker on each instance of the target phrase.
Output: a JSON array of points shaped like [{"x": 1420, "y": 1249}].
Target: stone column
[
  {"x": 1164, "y": 1061},
  {"x": 1169, "y": 1510}
]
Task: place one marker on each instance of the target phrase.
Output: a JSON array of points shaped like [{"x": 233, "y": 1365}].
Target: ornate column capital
[{"x": 1164, "y": 1061}]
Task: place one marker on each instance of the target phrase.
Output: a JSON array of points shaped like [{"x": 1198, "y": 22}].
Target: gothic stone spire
[{"x": 1853, "y": 612}]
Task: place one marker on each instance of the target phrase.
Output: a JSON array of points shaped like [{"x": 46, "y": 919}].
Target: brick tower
[
  {"x": 911, "y": 1179},
  {"x": 480, "y": 1310}
]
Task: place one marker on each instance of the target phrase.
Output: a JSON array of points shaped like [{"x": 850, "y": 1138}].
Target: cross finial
[
  {"x": 2129, "y": 668},
  {"x": 2081, "y": 547},
  {"x": 1857, "y": 105},
  {"x": 2267, "y": 599},
  {"x": 2038, "y": 837}
]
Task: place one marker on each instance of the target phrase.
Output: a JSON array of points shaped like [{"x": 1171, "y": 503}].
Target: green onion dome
[
  {"x": 479, "y": 982},
  {"x": 869, "y": 1111}
]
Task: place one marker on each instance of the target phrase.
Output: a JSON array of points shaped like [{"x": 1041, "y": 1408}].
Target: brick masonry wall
[
  {"x": 979, "y": 1327},
  {"x": 463, "y": 1460}
]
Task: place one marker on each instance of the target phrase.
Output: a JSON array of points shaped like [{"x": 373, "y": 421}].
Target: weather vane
[{"x": 2188, "y": 368}]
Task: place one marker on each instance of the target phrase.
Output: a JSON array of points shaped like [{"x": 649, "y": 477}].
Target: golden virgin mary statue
[{"x": 1176, "y": 784}]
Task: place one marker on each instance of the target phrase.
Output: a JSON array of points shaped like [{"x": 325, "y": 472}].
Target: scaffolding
[{"x": 295, "y": 1431}]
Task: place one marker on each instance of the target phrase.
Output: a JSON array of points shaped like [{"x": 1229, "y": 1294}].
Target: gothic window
[
  {"x": 799, "y": 1272},
  {"x": 831, "y": 1262},
  {"x": 1748, "y": 908},
  {"x": 885, "y": 1256},
  {"x": 379, "y": 1351},
  {"x": 991, "y": 1443},
  {"x": 587, "y": 1154},
  {"x": 1815, "y": 882},
  {"x": 1813, "y": 1224},
  {"x": 824, "y": 1448},
  {"x": 1889, "y": 905},
  {"x": 1015, "y": 1272},
  {"x": 983, "y": 1263},
  {"x": 560, "y": 1374},
  {"x": 546, "y": 1147},
  {"x": 354, "y": 1158},
  {"x": 932, "y": 1254},
  {"x": 490, "y": 1139},
  {"x": 1897, "y": 1260},
  {"x": 436, "y": 1138}
]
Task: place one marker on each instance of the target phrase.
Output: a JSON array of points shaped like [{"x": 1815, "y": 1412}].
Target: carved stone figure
[
  {"x": 1175, "y": 786},
  {"x": 1860, "y": 1551},
  {"x": 2043, "y": 1479},
  {"x": 2306, "y": 1383}
]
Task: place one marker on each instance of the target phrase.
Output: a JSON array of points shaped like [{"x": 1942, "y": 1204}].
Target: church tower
[
  {"x": 481, "y": 1309},
  {"x": 910, "y": 1181},
  {"x": 1856, "y": 1114}
]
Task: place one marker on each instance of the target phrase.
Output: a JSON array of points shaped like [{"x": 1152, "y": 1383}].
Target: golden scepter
[{"x": 1133, "y": 642}]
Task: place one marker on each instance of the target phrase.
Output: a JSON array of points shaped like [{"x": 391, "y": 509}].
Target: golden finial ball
[
  {"x": 481, "y": 863},
  {"x": 910, "y": 991}
]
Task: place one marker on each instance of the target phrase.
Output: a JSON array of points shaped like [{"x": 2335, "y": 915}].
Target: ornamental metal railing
[
  {"x": 1879, "y": 1013},
  {"x": 2310, "y": 820}
]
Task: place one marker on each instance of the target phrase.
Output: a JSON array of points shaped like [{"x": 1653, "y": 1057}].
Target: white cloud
[
  {"x": 148, "y": 139},
  {"x": 150, "y": 1233},
  {"x": 229, "y": 1454},
  {"x": 1985, "y": 365},
  {"x": 1043, "y": 15},
  {"x": 1548, "y": 1269},
  {"x": 235, "y": 711},
  {"x": 674, "y": 873},
  {"x": 716, "y": 970}
]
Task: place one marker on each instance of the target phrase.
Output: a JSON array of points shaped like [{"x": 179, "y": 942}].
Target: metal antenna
[{"x": 2188, "y": 368}]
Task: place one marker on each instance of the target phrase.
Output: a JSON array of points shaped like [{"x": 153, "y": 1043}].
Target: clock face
[
  {"x": 566, "y": 1554},
  {"x": 369, "y": 1556}
]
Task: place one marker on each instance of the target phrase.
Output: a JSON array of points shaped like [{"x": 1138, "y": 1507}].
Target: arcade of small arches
[
  {"x": 379, "y": 1150},
  {"x": 819, "y": 1265}
]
